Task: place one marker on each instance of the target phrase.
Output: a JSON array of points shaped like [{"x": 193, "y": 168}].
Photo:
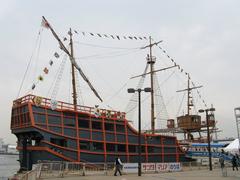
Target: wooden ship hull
[{"x": 82, "y": 134}]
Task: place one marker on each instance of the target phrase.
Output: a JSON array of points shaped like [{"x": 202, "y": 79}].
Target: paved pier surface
[{"x": 216, "y": 174}]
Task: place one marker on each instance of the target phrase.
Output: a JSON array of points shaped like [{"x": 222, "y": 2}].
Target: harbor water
[{"x": 9, "y": 165}]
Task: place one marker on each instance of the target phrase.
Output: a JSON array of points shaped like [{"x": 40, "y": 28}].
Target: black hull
[{"x": 65, "y": 134}]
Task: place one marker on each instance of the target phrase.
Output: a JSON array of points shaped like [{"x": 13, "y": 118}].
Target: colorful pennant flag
[
  {"x": 50, "y": 62},
  {"x": 45, "y": 70},
  {"x": 44, "y": 24},
  {"x": 40, "y": 78},
  {"x": 33, "y": 86},
  {"x": 56, "y": 55}
]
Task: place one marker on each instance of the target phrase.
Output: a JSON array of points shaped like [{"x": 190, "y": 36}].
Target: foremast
[
  {"x": 74, "y": 65},
  {"x": 74, "y": 93}
]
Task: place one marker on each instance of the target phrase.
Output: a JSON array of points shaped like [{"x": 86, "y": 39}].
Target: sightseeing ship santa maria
[{"x": 57, "y": 130}]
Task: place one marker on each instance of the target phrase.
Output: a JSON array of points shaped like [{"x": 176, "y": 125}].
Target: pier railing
[{"x": 68, "y": 169}]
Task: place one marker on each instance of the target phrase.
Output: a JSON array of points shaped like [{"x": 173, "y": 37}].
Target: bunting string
[
  {"x": 45, "y": 71},
  {"x": 182, "y": 71},
  {"x": 110, "y": 36}
]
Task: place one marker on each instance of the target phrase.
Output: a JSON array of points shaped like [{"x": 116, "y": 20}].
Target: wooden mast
[
  {"x": 188, "y": 99},
  {"x": 189, "y": 89},
  {"x": 74, "y": 95},
  {"x": 151, "y": 62},
  {"x": 73, "y": 62}
]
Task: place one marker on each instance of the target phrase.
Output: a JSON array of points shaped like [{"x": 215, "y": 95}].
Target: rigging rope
[
  {"x": 114, "y": 95},
  {"x": 29, "y": 62},
  {"x": 100, "y": 56},
  {"x": 161, "y": 110},
  {"x": 180, "y": 106},
  {"x": 132, "y": 104},
  {"x": 105, "y": 47},
  {"x": 37, "y": 57},
  {"x": 79, "y": 92},
  {"x": 181, "y": 70},
  {"x": 58, "y": 79}
]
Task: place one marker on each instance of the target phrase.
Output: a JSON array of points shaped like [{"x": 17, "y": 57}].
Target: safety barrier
[{"x": 67, "y": 169}]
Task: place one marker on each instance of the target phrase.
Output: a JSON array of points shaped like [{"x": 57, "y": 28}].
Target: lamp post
[
  {"x": 208, "y": 135},
  {"x": 131, "y": 90}
]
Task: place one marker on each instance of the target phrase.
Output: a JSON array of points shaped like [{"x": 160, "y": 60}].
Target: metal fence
[{"x": 65, "y": 169}]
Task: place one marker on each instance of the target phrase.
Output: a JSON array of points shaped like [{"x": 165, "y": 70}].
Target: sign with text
[
  {"x": 130, "y": 167},
  {"x": 168, "y": 167},
  {"x": 152, "y": 167},
  {"x": 148, "y": 167}
]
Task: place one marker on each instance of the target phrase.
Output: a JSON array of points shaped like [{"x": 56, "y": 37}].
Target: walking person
[
  {"x": 234, "y": 163},
  {"x": 221, "y": 161},
  {"x": 118, "y": 166},
  {"x": 222, "y": 165},
  {"x": 237, "y": 160}
]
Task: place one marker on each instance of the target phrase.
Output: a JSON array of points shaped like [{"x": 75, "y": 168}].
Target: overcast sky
[{"x": 202, "y": 36}]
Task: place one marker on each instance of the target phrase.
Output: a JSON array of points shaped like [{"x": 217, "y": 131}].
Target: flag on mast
[{"x": 44, "y": 23}]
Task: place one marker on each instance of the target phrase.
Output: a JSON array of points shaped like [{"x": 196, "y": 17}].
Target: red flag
[
  {"x": 45, "y": 70},
  {"x": 45, "y": 23}
]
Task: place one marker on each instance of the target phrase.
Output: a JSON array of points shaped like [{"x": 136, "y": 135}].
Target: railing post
[
  {"x": 62, "y": 170},
  {"x": 84, "y": 169},
  {"x": 39, "y": 169},
  {"x": 51, "y": 165},
  {"x": 105, "y": 168}
]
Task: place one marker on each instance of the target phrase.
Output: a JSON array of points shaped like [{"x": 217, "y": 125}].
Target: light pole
[
  {"x": 208, "y": 135},
  {"x": 131, "y": 90}
]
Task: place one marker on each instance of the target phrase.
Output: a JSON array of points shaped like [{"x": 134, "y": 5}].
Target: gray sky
[{"x": 202, "y": 36}]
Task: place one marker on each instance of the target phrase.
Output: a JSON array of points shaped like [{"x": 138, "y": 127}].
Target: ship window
[
  {"x": 150, "y": 149},
  {"x": 69, "y": 114},
  {"x": 96, "y": 125},
  {"x": 82, "y": 116},
  {"x": 120, "y": 128},
  {"x": 39, "y": 118},
  {"x": 110, "y": 147},
  {"x": 121, "y": 147},
  {"x": 54, "y": 120},
  {"x": 97, "y": 146},
  {"x": 83, "y": 123},
  {"x": 59, "y": 142},
  {"x": 132, "y": 148},
  {"x": 109, "y": 127},
  {"x": 69, "y": 121},
  {"x": 85, "y": 145}
]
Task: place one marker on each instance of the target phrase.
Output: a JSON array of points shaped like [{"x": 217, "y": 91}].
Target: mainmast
[
  {"x": 74, "y": 95},
  {"x": 152, "y": 61}
]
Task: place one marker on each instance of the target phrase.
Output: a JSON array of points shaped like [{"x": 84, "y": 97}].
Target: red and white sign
[
  {"x": 168, "y": 167},
  {"x": 152, "y": 167},
  {"x": 148, "y": 167}
]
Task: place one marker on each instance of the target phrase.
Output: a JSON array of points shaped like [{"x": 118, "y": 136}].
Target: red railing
[{"x": 46, "y": 102}]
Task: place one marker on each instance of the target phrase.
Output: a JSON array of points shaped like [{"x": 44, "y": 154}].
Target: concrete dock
[{"x": 216, "y": 174}]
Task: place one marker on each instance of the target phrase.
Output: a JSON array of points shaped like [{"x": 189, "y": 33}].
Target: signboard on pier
[{"x": 152, "y": 167}]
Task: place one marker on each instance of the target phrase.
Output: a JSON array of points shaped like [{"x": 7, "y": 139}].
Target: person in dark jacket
[
  {"x": 221, "y": 161},
  {"x": 234, "y": 163},
  {"x": 118, "y": 166}
]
